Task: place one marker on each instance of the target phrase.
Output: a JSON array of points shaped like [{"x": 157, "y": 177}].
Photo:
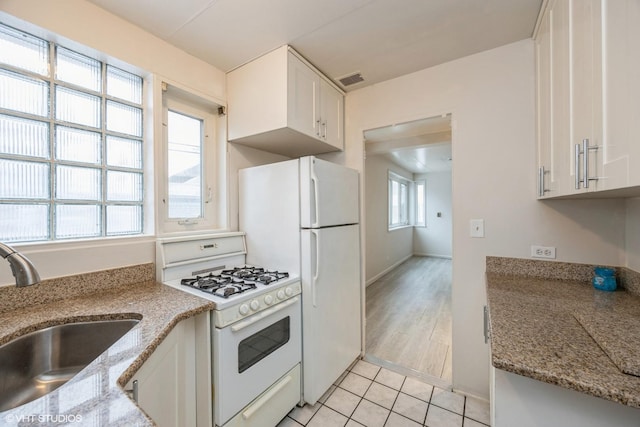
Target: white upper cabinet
[
  {"x": 588, "y": 99},
  {"x": 332, "y": 115},
  {"x": 621, "y": 93},
  {"x": 546, "y": 183},
  {"x": 279, "y": 103},
  {"x": 585, "y": 97},
  {"x": 552, "y": 69}
]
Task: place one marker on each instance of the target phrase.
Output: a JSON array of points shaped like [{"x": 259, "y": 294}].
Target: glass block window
[{"x": 71, "y": 131}]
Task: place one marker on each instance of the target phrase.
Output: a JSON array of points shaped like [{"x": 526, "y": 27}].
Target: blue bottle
[{"x": 604, "y": 279}]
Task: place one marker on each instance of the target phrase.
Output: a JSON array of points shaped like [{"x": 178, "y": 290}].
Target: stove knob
[
  {"x": 288, "y": 291},
  {"x": 244, "y": 309},
  {"x": 280, "y": 294},
  {"x": 254, "y": 305},
  {"x": 268, "y": 300}
]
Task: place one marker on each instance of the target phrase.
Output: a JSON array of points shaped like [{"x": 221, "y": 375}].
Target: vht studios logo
[{"x": 42, "y": 418}]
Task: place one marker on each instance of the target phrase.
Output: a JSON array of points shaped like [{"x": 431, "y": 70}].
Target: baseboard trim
[
  {"x": 433, "y": 255},
  {"x": 386, "y": 270}
]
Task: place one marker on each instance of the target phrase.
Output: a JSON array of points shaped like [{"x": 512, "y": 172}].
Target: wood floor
[{"x": 408, "y": 315}]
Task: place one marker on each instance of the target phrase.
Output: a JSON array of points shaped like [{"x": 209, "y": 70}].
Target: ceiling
[
  {"x": 381, "y": 39},
  {"x": 421, "y": 146}
]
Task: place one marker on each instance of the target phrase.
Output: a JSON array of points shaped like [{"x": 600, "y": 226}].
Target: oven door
[{"x": 249, "y": 356}]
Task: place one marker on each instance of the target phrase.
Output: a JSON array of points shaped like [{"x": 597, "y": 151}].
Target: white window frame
[
  {"x": 420, "y": 186},
  {"x": 405, "y": 220},
  {"x": 171, "y": 100}
]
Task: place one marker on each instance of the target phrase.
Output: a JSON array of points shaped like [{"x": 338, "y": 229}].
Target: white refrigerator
[{"x": 302, "y": 216}]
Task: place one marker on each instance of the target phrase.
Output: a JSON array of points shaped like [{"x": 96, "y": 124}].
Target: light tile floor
[{"x": 373, "y": 396}]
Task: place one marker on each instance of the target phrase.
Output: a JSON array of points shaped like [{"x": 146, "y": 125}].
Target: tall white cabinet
[
  {"x": 280, "y": 103},
  {"x": 588, "y": 102}
]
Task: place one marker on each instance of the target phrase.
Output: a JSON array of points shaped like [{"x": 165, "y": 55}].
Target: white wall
[
  {"x": 82, "y": 25},
  {"x": 632, "y": 234},
  {"x": 491, "y": 98},
  {"x": 78, "y": 21},
  {"x": 239, "y": 157},
  {"x": 436, "y": 238},
  {"x": 384, "y": 249}
]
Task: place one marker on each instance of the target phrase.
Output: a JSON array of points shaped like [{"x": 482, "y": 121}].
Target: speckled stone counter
[
  {"x": 535, "y": 332},
  {"x": 96, "y": 396}
]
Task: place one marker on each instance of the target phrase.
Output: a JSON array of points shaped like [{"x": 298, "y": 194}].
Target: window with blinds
[{"x": 71, "y": 132}]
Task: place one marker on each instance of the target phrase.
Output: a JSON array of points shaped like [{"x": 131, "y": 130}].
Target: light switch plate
[{"x": 476, "y": 228}]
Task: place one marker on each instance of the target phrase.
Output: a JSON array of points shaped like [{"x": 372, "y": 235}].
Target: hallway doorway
[{"x": 408, "y": 235}]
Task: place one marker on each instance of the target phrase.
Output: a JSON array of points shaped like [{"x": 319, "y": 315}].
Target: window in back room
[
  {"x": 420, "y": 219},
  {"x": 71, "y": 143},
  {"x": 398, "y": 201}
]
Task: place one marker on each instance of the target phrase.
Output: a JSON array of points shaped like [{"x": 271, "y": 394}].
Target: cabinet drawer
[{"x": 272, "y": 405}]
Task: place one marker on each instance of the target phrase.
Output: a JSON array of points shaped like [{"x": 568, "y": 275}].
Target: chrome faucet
[{"x": 22, "y": 269}]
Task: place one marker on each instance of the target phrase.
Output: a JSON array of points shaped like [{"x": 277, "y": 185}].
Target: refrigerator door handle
[
  {"x": 314, "y": 180},
  {"x": 314, "y": 278}
]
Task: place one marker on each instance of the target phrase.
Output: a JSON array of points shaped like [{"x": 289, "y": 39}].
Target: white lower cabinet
[
  {"x": 525, "y": 402},
  {"x": 174, "y": 385}
]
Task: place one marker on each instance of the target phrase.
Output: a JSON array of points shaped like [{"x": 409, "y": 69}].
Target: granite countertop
[
  {"x": 536, "y": 332},
  {"x": 96, "y": 396}
]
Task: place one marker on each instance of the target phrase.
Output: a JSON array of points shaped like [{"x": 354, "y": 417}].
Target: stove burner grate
[
  {"x": 234, "y": 281},
  {"x": 223, "y": 286},
  {"x": 256, "y": 274}
]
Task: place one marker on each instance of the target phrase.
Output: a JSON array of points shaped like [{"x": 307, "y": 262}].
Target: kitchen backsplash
[
  {"x": 12, "y": 297},
  {"x": 553, "y": 270}
]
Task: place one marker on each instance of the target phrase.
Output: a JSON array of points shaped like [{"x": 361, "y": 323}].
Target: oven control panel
[{"x": 257, "y": 304}]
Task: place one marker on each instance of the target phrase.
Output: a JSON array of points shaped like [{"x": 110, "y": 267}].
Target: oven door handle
[{"x": 259, "y": 316}]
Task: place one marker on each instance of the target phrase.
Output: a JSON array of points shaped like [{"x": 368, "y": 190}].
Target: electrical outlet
[{"x": 543, "y": 252}]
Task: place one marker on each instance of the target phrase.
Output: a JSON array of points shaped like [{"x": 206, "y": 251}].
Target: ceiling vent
[{"x": 351, "y": 79}]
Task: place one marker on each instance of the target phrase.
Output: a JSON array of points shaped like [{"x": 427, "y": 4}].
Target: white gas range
[{"x": 256, "y": 325}]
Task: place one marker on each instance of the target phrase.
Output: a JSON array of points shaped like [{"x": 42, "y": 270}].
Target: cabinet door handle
[
  {"x": 540, "y": 182},
  {"x": 318, "y": 128},
  {"x": 576, "y": 165},
  {"x": 585, "y": 163},
  {"x": 585, "y": 150},
  {"x": 541, "y": 189},
  {"x": 324, "y": 130},
  {"x": 134, "y": 391},
  {"x": 486, "y": 324}
]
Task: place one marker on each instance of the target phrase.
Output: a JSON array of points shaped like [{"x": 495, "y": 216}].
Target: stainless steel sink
[{"x": 37, "y": 363}]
